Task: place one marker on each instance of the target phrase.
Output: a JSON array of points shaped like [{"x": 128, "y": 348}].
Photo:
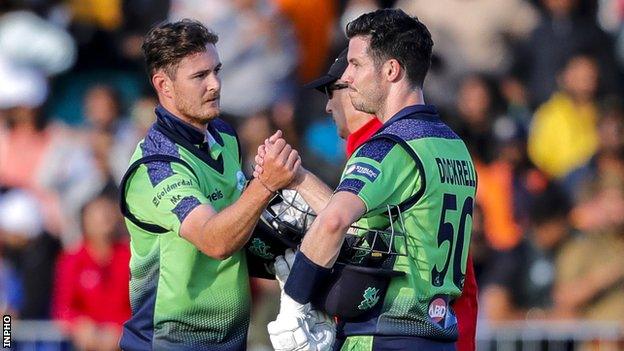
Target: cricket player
[
  {"x": 186, "y": 206},
  {"x": 415, "y": 162},
  {"x": 357, "y": 127}
]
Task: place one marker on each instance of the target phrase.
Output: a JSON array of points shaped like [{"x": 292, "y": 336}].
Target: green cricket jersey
[
  {"x": 182, "y": 299},
  {"x": 417, "y": 161}
]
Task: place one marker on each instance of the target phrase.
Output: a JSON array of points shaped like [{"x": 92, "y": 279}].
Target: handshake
[
  {"x": 278, "y": 165},
  {"x": 298, "y": 327}
]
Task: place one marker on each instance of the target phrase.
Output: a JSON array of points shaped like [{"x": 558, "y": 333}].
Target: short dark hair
[
  {"x": 168, "y": 43},
  {"x": 396, "y": 35}
]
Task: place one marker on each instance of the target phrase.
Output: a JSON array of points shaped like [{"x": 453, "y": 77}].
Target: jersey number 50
[{"x": 446, "y": 233}]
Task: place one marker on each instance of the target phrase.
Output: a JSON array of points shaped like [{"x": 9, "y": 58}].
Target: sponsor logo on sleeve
[
  {"x": 164, "y": 191},
  {"x": 363, "y": 169}
]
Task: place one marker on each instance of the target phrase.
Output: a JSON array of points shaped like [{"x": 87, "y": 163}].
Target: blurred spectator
[
  {"x": 519, "y": 285},
  {"x": 22, "y": 92},
  {"x": 561, "y": 33},
  {"x": 256, "y": 47},
  {"x": 563, "y": 135},
  {"x": 590, "y": 272},
  {"x": 29, "y": 249},
  {"x": 515, "y": 94},
  {"x": 314, "y": 23},
  {"x": 28, "y": 143},
  {"x": 471, "y": 36},
  {"x": 476, "y": 112},
  {"x": 609, "y": 156},
  {"x": 102, "y": 109},
  {"x": 96, "y": 160},
  {"x": 91, "y": 286},
  {"x": 508, "y": 186}
]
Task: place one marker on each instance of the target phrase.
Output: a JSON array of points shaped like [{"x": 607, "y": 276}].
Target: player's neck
[{"x": 397, "y": 100}]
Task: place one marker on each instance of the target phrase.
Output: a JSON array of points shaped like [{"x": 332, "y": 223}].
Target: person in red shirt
[
  {"x": 91, "y": 287},
  {"x": 357, "y": 127}
]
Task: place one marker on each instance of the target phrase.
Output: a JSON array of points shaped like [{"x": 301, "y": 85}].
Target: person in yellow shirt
[{"x": 563, "y": 134}]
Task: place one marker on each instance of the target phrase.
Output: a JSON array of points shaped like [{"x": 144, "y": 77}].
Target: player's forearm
[
  {"x": 314, "y": 191},
  {"x": 228, "y": 231},
  {"x": 323, "y": 241},
  {"x": 321, "y": 246}
]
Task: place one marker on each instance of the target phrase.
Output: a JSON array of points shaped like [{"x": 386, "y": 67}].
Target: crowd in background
[{"x": 535, "y": 88}]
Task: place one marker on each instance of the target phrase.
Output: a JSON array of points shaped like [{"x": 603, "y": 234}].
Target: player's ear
[
  {"x": 392, "y": 70},
  {"x": 162, "y": 83}
]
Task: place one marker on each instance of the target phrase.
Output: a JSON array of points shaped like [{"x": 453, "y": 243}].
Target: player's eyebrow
[{"x": 206, "y": 71}]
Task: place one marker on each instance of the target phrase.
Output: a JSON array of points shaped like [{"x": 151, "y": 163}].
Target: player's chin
[
  {"x": 211, "y": 113},
  {"x": 355, "y": 98}
]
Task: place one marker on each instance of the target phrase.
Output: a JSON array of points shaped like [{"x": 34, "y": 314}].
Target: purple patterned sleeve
[{"x": 185, "y": 206}]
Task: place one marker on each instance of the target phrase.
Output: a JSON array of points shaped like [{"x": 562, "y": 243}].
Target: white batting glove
[
  {"x": 297, "y": 327},
  {"x": 291, "y": 333},
  {"x": 316, "y": 332}
]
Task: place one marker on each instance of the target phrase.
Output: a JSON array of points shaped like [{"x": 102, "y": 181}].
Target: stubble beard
[
  {"x": 195, "y": 114},
  {"x": 368, "y": 105}
]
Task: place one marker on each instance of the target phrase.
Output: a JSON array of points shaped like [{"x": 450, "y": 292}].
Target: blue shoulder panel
[
  {"x": 157, "y": 143},
  {"x": 376, "y": 149}
]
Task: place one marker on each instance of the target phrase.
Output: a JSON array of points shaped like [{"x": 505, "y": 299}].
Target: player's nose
[
  {"x": 347, "y": 76},
  {"x": 214, "y": 84}
]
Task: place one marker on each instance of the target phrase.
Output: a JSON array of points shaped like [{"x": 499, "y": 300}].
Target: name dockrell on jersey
[{"x": 456, "y": 172}]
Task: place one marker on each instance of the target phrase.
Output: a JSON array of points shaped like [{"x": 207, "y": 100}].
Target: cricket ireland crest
[{"x": 370, "y": 298}]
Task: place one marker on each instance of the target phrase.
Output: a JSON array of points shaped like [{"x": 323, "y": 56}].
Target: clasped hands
[{"x": 278, "y": 165}]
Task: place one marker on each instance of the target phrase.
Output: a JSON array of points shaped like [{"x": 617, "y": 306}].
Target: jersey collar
[
  {"x": 171, "y": 122},
  {"x": 190, "y": 137},
  {"x": 415, "y": 111},
  {"x": 425, "y": 112}
]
